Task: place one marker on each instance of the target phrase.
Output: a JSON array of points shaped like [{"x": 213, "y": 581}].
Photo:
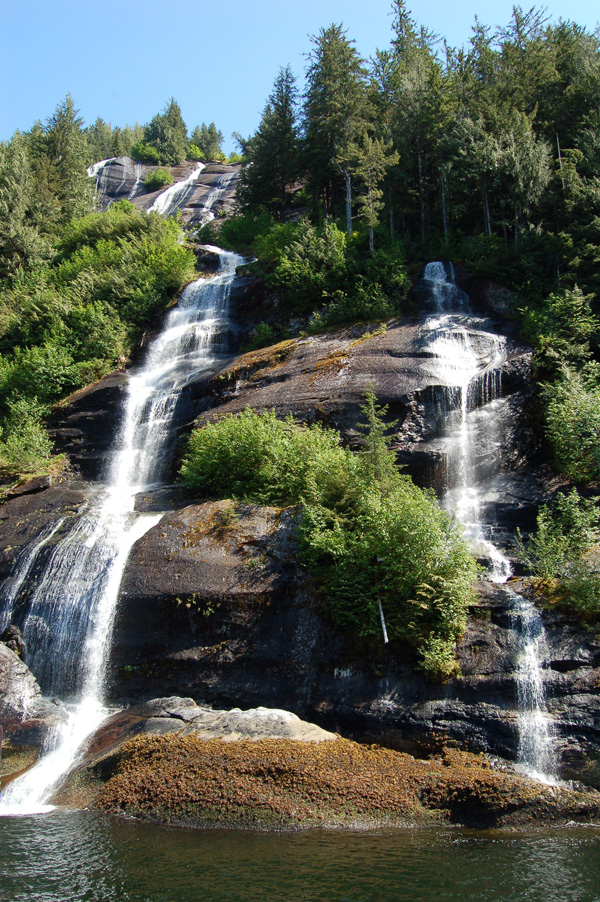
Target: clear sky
[{"x": 123, "y": 60}]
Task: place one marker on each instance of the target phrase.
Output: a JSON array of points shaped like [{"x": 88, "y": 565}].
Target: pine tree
[
  {"x": 167, "y": 133},
  {"x": 273, "y": 151},
  {"x": 208, "y": 139},
  {"x": 67, "y": 150},
  {"x": 335, "y": 114},
  {"x": 21, "y": 244},
  {"x": 373, "y": 158},
  {"x": 100, "y": 141}
]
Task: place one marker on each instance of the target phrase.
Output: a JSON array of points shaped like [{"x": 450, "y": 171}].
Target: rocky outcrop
[
  {"x": 25, "y": 716},
  {"x": 121, "y": 178},
  {"x": 215, "y": 605},
  {"x": 31, "y": 509},
  {"x": 84, "y": 426},
  {"x": 278, "y": 783}
]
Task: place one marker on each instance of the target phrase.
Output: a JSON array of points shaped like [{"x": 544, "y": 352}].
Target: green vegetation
[
  {"x": 487, "y": 155},
  {"x": 159, "y": 178},
  {"x": 77, "y": 287},
  {"x": 369, "y": 535},
  {"x": 207, "y": 140},
  {"x": 319, "y": 271},
  {"x": 563, "y": 554}
]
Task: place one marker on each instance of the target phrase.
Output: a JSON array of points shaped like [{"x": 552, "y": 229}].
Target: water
[
  {"x": 216, "y": 194},
  {"x": 84, "y": 856},
  {"x": 174, "y": 198},
  {"x": 68, "y": 626},
  {"x": 23, "y": 567},
  {"x": 466, "y": 358}
]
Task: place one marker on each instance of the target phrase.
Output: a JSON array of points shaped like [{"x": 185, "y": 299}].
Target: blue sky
[{"x": 123, "y": 61}]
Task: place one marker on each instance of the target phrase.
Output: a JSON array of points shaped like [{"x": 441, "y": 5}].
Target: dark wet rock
[
  {"x": 26, "y": 716},
  {"x": 190, "y": 204},
  {"x": 12, "y": 638},
  {"x": 25, "y": 517},
  {"x": 84, "y": 426},
  {"x": 497, "y": 299},
  {"x": 215, "y": 605},
  {"x": 120, "y": 179}
]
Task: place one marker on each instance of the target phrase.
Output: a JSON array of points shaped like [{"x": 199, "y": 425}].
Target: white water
[
  {"x": 467, "y": 359},
  {"x": 215, "y": 195},
  {"x": 173, "y": 199},
  {"x": 23, "y": 567},
  {"x": 71, "y": 612}
]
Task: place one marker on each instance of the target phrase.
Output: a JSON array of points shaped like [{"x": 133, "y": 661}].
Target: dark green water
[{"x": 76, "y": 856}]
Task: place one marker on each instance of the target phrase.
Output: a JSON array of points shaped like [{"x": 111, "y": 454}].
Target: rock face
[
  {"x": 30, "y": 510},
  {"x": 118, "y": 179},
  {"x": 25, "y": 715},
  {"x": 123, "y": 179},
  {"x": 216, "y": 606}
]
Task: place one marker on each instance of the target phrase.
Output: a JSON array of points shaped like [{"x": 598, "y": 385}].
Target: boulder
[{"x": 26, "y": 716}]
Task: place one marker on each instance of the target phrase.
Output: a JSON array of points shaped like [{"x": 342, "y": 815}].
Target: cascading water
[
  {"x": 69, "y": 624},
  {"x": 23, "y": 567},
  {"x": 216, "y": 194},
  {"x": 467, "y": 359},
  {"x": 174, "y": 198}
]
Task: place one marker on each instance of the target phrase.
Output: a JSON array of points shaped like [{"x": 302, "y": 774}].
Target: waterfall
[
  {"x": 71, "y": 611},
  {"x": 467, "y": 359},
  {"x": 23, "y": 566},
  {"x": 174, "y": 198},
  {"x": 214, "y": 196},
  {"x": 536, "y": 754},
  {"x": 100, "y": 172}
]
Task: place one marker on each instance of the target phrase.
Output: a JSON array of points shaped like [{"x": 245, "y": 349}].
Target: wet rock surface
[
  {"x": 216, "y": 606},
  {"x": 28, "y": 511},
  {"x": 25, "y": 716},
  {"x": 123, "y": 179}
]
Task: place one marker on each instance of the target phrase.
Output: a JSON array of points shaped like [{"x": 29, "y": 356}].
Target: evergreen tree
[
  {"x": 273, "y": 151},
  {"x": 373, "y": 158},
  {"x": 335, "y": 115},
  {"x": 21, "y": 244},
  {"x": 208, "y": 139},
  {"x": 67, "y": 150},
  {"x": 167, "y": 133},
  {"x": 100, "y": 141}
]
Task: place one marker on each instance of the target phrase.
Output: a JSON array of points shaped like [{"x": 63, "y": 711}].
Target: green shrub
[
  {"x": 368, "y": 533},
  {"x": 145, "y": 153},
  {"x": 572, "y": 411},
  {"x": 25, "y": 446},
  {"x": 262, "y": 336},
  {"x": 194, "y": 153},
  {"x": 158, "y": 178},
  {"x": 560, "y": 329},
  {"x": 566, "y": 531}
]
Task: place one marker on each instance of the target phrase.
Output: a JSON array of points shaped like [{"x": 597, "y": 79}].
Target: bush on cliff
[
  {"x": 562, "y": 554},
  {"x": 369, "y": 535},
  {"x": 67, "y": 322},
  {"x": 158, "y": 178},
  {"x": 319, "y": 269}
]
